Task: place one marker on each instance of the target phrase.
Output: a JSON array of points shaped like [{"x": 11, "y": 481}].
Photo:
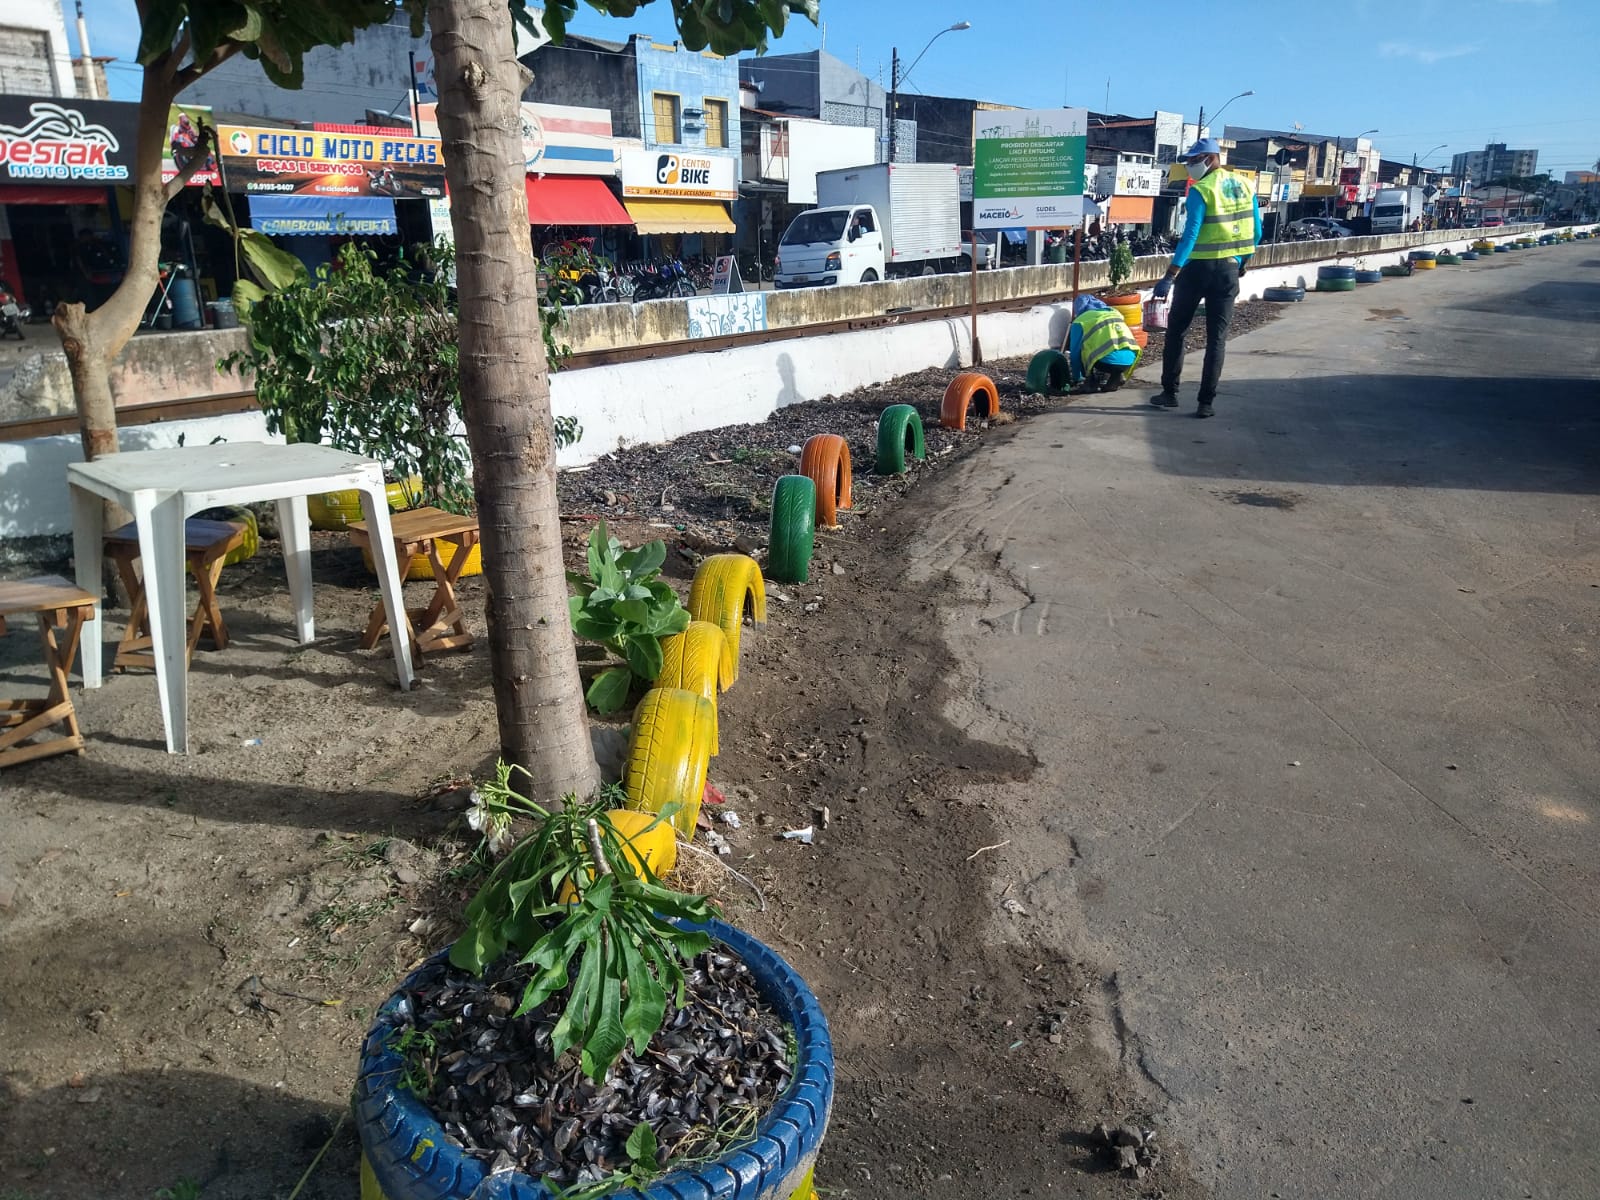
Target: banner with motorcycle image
[
  {"x": 185, "y": 138},
  {"x": 315, "y": 163}
]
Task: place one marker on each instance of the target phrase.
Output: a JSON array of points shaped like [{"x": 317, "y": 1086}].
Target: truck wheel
[
  {"x": 869, "y": 276},
  {"x": 929, "y": 269}
]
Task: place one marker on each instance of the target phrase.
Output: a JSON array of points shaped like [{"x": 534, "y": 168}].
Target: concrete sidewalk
[{"x": 1313, "y": 691}]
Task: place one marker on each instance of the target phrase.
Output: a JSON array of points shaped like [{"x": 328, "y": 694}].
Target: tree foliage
[{"x": 725, "y": 26}]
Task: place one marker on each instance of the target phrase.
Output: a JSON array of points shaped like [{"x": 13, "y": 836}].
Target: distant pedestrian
[{"x": 1221, "y": 232}]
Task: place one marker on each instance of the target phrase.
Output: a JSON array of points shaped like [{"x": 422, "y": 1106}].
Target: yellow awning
[{"x": 679, "y": 216}]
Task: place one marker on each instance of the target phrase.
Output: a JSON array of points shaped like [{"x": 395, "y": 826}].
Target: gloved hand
[
  {"x": 1244, "y": 265},
  {"x": 1163, "y": 287}
]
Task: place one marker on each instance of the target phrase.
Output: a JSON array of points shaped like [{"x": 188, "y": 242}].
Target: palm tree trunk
[{"x": 505, "y": 394}]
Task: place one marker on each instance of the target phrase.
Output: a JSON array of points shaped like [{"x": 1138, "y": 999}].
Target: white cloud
[{"x": 1427, "y": 55}]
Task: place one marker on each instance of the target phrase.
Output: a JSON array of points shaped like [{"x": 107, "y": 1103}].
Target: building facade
[
  {"x": 1494, "y": 161},
  {"x": 816, "y": 84},
  {"x": 35, "y": 59}
]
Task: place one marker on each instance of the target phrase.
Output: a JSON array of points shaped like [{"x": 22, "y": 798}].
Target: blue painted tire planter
[
  {"x": 411, "y": 1158},
  {"x": 1369, "y": 276},
  {"x": 1335, "y": 273}
]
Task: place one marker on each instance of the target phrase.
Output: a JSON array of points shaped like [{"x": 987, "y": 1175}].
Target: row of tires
[
  {"x": 813, "y": 498},
  {"x": 1348, "y": 278}
]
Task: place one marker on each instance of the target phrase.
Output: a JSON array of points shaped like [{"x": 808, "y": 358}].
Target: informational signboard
[
  {"x": 184, "y": 125},
  {"x": 297, "y": 162},
  {"x": 725, "y": 278},
  {"x": 678, "y": 175},
  {"x": 68, "y": 142},
  {"x": 1028, "y": 167}
]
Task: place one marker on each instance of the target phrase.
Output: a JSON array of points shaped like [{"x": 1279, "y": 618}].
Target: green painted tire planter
[
  {"x": 408, "y": 1156},
  {"x": 1336, "y": 285},
  {"x": 792, "y": 537},
  {"x": 1049, "y": 373},
  {"x": 1394, "y": 272},
  {"x": 899, "y": 430},
  {"x": 1449, "y": 260}
]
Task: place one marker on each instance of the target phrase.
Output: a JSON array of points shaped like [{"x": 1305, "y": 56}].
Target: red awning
[
  {"x": 558, "y": 200},
  {"x": 50, "y": 193}
]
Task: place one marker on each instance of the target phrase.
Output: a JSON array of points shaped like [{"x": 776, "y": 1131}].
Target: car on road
[
  {"x": 1318, "y": 227},
  {"x": 1492, "y": 222},
  {"x": 988, "y": 248}
]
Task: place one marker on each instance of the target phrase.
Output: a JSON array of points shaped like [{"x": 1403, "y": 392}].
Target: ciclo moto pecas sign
[{"x": 44, "y": 140}]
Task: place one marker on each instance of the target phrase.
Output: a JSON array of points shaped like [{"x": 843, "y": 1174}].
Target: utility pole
[{"x": 894, "y": 95}]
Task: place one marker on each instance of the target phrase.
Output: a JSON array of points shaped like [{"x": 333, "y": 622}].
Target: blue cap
[{"x": 1203, "y": 146}]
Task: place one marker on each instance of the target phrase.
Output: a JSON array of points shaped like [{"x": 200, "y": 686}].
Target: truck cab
[{"x": 827, "y": 246}]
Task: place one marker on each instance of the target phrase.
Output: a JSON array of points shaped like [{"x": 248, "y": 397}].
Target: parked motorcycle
[{"x": 13, "y": 312}]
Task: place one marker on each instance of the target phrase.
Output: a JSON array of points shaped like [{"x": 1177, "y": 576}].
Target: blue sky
[{"x": 1461, "y": 72}]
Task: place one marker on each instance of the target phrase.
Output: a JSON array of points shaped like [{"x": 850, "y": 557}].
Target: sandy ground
[{"x": 191, "y": 948}]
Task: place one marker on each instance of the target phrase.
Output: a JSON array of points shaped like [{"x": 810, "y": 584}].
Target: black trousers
[{"x": 1216, "y": 281}]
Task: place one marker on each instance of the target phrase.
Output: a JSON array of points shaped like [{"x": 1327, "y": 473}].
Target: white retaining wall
[{"x": 657, "y": 400}]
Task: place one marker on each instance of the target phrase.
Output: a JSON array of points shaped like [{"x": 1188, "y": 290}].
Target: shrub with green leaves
[
  {"x": 622, "y": 605},
  {"x": 614, "y": 944},
  {"x": 1120, "y": 268}
]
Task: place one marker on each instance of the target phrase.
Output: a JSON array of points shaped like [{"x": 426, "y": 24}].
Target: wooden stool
[
  {"x": 205, "y": 545},
  {"x": 59, "y": 605},
  {"x": 440, "y": 626}
]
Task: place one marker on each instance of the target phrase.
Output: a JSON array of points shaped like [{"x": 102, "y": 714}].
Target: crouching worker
[{"x": 1101, "y": 352}]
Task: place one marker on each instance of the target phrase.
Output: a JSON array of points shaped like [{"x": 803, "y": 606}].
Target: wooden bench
[
  {"x": 58, "y": 605},
  {"x": 205, "y": 545},
  {"x": 441, "y": 625}
]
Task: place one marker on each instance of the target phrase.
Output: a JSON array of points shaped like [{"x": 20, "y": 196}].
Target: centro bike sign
[{"x": 1028, "y": 167}]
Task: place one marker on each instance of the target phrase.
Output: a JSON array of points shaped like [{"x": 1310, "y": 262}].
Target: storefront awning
[
  {"x": 554, "y": 200},
  {"x": 1132, "y": 210},
  {"x": 50, "y": 193},
  {"x": 680, "y": 216},
  {"x": 299, "y": 216}
]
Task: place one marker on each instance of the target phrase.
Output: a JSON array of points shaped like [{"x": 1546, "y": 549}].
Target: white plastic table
[{"x": 163, "y": 488}]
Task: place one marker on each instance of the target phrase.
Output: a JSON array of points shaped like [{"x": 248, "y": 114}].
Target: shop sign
[
  {"x": 56, "y": 141},
  {"x": 1027, "y": 168},
  {"x": 301, "y": 162},
  {"x": 1137, "y": 179},
  {"x": 678, "y": 175},
  {"x": 559, "y": 139}
]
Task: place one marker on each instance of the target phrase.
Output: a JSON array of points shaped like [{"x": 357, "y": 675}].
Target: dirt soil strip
[{"x": 191, "y": 948}]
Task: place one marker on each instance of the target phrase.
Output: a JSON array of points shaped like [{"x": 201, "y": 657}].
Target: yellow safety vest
[
  {"x": 1104, "y": 330},
  {"x": 1229, "y": 230}
]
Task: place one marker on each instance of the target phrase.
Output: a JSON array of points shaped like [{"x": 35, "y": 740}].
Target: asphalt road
[{"x": 1312, "y": 689}]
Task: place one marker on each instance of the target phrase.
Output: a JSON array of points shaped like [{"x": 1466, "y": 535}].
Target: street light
[
  {"x": 1200, "y": 125},
  {"x": 897, "y": 76}
]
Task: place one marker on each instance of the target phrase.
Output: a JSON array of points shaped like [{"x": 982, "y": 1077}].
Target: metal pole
[
  {"x": 416, "y": 98},
  {"x": 1077, "y": 259},
  {"x": 894, "y": 94},
  {"x": 972, "y": 249}
]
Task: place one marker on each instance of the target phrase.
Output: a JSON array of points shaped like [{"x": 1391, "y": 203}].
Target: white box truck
[
  {"x": 1393, "y": 209},
  {"x": 873, "y": 222}
]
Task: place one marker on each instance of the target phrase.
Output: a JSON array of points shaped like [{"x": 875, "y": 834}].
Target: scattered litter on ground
[
  {"x": 718, "y": 843},
  {"x": 1014, "y": 907},
  {"x": 729, "y": 818},
  {"x": 806, "y": 836}
]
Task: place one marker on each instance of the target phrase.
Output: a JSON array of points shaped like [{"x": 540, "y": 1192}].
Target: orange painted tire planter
[
  {"x": 826, "y": 462},
  {"x": 964, "y": 389},
  {"x": 1122, "y": 298},
  {"x": 1143, "y": 338}
]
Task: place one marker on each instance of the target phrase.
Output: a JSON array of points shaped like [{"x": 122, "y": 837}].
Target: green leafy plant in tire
[
  {"x": 622, "y": 605},
  {"x": 1120, "y": 268},
  {"x": 590, "y": 918}
]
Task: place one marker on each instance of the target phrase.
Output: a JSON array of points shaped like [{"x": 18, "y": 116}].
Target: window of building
[
  {"x": 669, "y": 127},
  {"x": 717, "y": 123}
]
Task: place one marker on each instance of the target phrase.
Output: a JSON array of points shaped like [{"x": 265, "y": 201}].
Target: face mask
[{"x": 1196, "y": 170}]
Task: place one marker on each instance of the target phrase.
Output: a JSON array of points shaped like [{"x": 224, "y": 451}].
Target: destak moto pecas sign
[
  {"x": 678, "y": 175},
  {"x": 314, "y": 163},
  {"x": 58, "y": 141}
]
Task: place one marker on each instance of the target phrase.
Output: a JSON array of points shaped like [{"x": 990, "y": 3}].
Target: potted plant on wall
[
  {"x": 592, "y": 1032},
  {"x": 1119, "y": 269}
]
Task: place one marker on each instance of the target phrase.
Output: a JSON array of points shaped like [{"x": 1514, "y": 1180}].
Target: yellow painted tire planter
[
  {"x": 725, "y": 588},
  {"x": 669, "y": 753},
  {"x": 339, "y": 510},
  {"x": 422, "y": 565},
  {"x": 1133, "y": 314},
  {"x": 646, "y": 841},
  {"x": 698, "y": 660}
]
